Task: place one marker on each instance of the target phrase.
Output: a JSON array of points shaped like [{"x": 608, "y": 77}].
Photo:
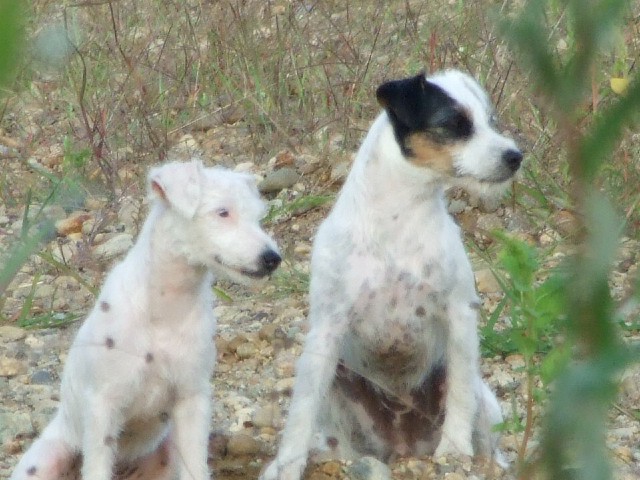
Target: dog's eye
[{"x": 223, "y": 212}]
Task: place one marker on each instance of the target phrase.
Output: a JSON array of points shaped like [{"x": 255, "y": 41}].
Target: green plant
[
  {"x": 572, "y": 446},
  {"x": 536, "y": 318}
]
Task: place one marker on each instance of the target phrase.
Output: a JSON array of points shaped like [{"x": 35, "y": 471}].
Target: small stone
[
  {"x": 266, "y": 416},
  {"x": 10, "y": 367},
  {"x": 339, "y": 171},
  {"x": 72, "y": 224},
  {"x": 279, "y": 180},
  {"x": 369, "y": 468},
  {"x": 115, "y": 246},
  {"x": 486, "y": 281},
  {"x": 10, "y": 333},
  {"x": 456, "y": 206},
  {"x": 515, "y": 361},
  {"x": 285, "y": 385},
  {"x": 454, "y": 476},
  {"x": 246, "y": 350},
  {"x": 268, "y": 332},
  {"x": 41, "y": 377},
  {"x": 242, "y": 444},
  {"x": 235, "y": 342}
]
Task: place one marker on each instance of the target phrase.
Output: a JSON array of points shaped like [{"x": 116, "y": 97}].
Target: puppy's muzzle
[{"x": 269, "y": 261}]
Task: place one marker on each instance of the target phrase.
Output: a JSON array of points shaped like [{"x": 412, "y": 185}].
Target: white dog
[
  {"x": 390, "y": 364},
  {"x": 136, "y": 386}
]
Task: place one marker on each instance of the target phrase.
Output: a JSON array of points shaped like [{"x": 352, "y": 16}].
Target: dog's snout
[
  {"x": 512, "y": 159},
  {"x": 270, "y": 259}
]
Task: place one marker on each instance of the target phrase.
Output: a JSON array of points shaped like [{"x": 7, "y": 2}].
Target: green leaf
[{"x": 12, "y": 16}]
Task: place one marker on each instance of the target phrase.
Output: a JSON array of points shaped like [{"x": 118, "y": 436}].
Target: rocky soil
[{"x": 260, "y": 332}]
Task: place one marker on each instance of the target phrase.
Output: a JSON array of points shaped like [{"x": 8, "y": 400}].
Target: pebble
[
  {"x": 72, "y": 224},
  {"x": 246, "y": 350},
  {"x": 242, "y": 444},
  {"x": 114, "y": 246},
  {"x": 285, "y": 385},
  {"x": 368, "y": 468},
  {"x": 486, "y": 281},
  {"x": 267, "y": 416},
  {"x": 41, "y": 377},
  {"x": 9, "y": 333},
  {"x": 10, "y": 367},
  {"x": 279, "y": 180}
]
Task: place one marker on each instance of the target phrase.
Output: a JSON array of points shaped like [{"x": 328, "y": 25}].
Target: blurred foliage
[
  {"x": 11, "y": 37},
  {"x": 574, "y": 440}
]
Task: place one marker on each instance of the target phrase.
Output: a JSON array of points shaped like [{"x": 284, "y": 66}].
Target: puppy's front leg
[
  {"x": 315, "y": 371},
  {"x": 191, "y": 418},
  {"x": 102, "y": 425},
  {"x": 461, "y": 403}
]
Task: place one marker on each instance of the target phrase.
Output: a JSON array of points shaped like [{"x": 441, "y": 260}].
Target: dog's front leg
[
  {"x": 102, "y": 425},
  {"x": 461, "y": 403},
  {"x": 191, "y": 418},
  {"x": 315, "y": 371}
]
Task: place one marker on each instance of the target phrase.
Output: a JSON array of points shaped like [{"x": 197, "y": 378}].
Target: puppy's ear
[
  {"x": 405, "y": 100},
  {"x": 178, "y": 185}
]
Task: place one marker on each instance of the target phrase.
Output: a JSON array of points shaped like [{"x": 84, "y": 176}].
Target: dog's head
[
  {"x": 216, "y": 217},
  {"x": 445, "y": 123}
]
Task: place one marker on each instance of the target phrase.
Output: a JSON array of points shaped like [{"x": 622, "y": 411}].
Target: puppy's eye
[{"x": 223, "y": 212}]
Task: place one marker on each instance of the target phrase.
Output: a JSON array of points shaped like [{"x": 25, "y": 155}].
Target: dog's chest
[{"x": 397, "y": 313}]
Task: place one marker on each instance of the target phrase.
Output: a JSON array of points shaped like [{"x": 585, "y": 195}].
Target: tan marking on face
[{"x": 433, "y": 155}]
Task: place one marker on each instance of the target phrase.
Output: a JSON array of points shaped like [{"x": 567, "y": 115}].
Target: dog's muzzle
[
  {"x": 269, "y": 261},
  {"x": 512, "y": 159}
]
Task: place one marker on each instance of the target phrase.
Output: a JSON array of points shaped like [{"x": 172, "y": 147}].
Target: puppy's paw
[
  {"x": 283, "y": 470},
  {"x": 453, "y": 446}
]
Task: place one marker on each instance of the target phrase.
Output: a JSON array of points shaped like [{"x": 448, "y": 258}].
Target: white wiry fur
[
  {"x": 389, "y": 276},
  {"x": 135, "y": 395}
]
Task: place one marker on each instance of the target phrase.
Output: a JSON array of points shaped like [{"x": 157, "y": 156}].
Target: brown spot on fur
[
  {"x": 32, "y": 470},
  {"x": 109, "y": 441},
  {"x": 332, "y": 442},
  {"x": 148, "y": 357},
  {"x": 431, "y": 154},
  {"x": 420, "y": 311},
  {"x": 164, "y": 417},
  {"x": 399, "y": 422},
  {"x": 109, "y": 343},
  {"x": 105, "y": 306}
]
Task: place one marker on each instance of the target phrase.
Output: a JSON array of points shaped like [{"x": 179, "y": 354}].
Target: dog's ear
[
  {"x": 405, "y": 100},
  {"x": 178, "y": 185}
]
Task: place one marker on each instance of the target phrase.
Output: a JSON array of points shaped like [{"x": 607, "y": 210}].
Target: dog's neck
[
  {"x": 382, "y": 177},
  {"x": 174, "y": 282}
]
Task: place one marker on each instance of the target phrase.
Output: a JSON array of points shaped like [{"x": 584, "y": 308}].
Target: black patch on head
[{"x": 415, "y": 105}]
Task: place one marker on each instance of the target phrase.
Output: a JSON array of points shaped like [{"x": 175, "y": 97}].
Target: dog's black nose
[
  {"x": 512, "y": 159},
  {"x": 269, "y": 260}
]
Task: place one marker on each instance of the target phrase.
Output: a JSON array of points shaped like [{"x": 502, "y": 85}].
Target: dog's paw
[
  {"x": 453, "y": 446},
  {"x": 279, "y": 470}
]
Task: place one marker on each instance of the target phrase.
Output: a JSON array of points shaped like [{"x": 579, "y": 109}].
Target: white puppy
[
  {"x": 135, "y": 395},
  {"x": 390, "y": 364}
]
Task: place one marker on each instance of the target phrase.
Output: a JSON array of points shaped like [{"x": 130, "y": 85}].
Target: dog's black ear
[{"x": 406, "y": 100}]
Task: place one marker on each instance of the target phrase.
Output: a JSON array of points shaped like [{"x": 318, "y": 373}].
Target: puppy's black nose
[
  {"x": 269, "y": 260},
  {"x": 512, "y": 159}
]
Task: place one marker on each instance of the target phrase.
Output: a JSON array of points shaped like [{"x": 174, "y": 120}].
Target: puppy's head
[
  {"x": 445, "y": 124},
  {"x": 216, "y": 217}
]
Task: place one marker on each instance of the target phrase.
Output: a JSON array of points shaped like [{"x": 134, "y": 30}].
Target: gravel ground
[{"x": 260, "y": 335}]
